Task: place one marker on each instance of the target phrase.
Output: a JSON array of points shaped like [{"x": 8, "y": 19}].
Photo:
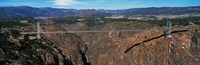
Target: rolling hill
[{"x": 27, "y": 11}]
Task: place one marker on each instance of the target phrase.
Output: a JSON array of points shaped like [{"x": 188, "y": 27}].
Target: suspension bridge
[{"x": 167, "y": 31}]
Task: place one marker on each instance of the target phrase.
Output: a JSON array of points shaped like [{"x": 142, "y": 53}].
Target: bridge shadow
[{"x": 137, "y": 44}]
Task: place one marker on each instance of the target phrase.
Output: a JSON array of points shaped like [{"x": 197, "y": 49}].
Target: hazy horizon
[
  {"x": 100, "y": 4},
  {"x": 90, "y": 9}
]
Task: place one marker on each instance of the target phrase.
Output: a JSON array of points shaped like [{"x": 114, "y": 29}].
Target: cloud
[{"x": 64, "y": 2}]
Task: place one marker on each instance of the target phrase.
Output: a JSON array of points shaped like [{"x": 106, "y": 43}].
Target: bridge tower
[
  {"x": 38, "y": 30},
  {"x": 167, "y": 30}
]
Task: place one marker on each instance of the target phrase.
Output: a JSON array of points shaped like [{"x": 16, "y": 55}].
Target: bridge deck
[{"x": 94, "y": 31}]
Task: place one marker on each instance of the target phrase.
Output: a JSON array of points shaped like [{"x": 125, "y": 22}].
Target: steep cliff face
[
  {"x": 128, "y": 48},
  {"x": 16, "y": 49}
]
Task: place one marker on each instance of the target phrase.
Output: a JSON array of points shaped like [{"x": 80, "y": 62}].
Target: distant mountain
[
  {"x": 24, "y": 11},
  {"x": 163, "y": 11}
]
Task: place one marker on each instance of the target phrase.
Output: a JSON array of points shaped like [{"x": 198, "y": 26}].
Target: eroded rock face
[
  {"x": 148, "y": 48},
  {"x": 18, "y": 49}
]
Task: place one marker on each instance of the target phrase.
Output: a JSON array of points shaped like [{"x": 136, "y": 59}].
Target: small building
[
  {"x": 32, "y": 37},
  {"x": 23, "y": 21},
  {"x": 191, "y": 23},
  {"x": 101, "y": 21},
  {"x": 82, "y": 19}
]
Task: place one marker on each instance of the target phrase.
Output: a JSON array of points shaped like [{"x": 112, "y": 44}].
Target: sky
[{"x": 100, "y": 4}]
